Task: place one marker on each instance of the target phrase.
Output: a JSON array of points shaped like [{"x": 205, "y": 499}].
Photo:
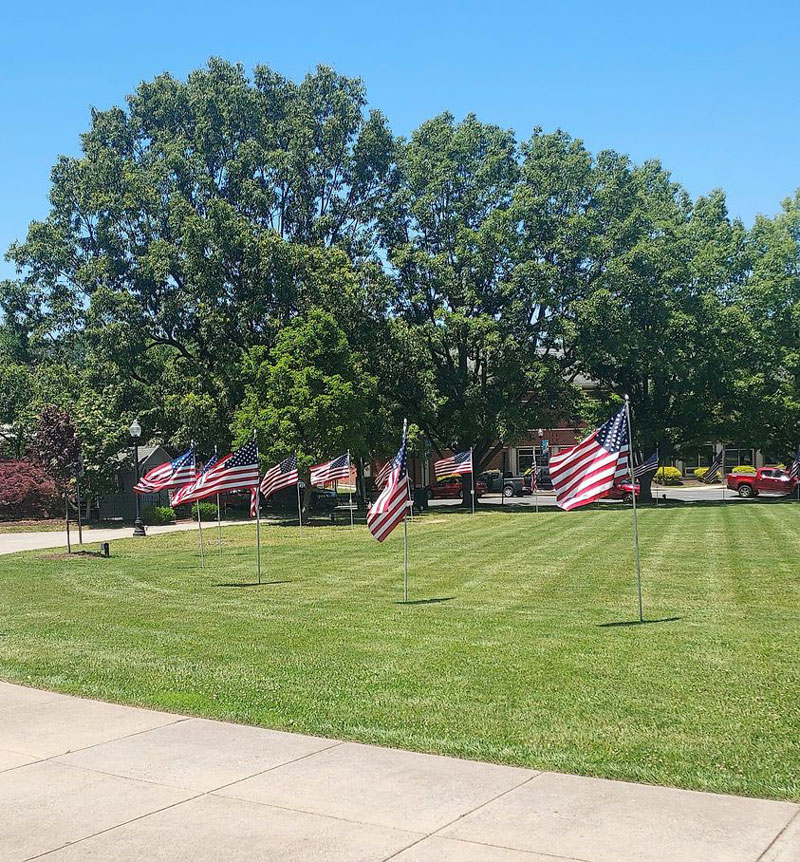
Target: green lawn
[{"x": 509, "y": 656}]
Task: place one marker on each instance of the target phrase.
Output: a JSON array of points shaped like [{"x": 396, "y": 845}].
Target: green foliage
[
  {"x": 667, "y": 476},
  {"x": 311, "y": 394},
  {"x": 461, "y": 279},
  {"x": 466, "y": 329},
  {"x": 208, "y": 511},
  {"x": 744, "y": 468},
  {"x": 157, "y": 516},
  {"x": 699, "y": 472}
]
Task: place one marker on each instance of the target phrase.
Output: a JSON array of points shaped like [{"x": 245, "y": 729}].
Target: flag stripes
[
  {"x": 714, "y": 468},
  {"x": 649, "y": 465},
  {"x": 280, "y": 476},
  {"x": 390, "y": 507},
  {"x": 236, "y": 471},
  {"x": 331, "y": 471},
  {"x": 454, "y": 465},
  {"x": 171, "y": 474},
  {"x": 587, "y": 471}
]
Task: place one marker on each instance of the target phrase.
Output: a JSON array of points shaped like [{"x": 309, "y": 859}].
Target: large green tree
[
  {"x": 199, "y": 220},
  {"x": 464, "y": 334},
  {"x": 310, "y": 394},
  {"x": 657, "y": 324},
  {"x": 766, "y": 412}
]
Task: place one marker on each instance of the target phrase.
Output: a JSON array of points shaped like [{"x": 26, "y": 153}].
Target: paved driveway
[
  {"x": 84, "y": 780},
  {"x": 10, "y": 543}
]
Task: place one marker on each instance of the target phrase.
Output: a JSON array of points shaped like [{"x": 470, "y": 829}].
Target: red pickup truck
[{"x": 767, "y": 480}]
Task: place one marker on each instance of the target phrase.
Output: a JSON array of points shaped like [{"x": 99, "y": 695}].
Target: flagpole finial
[{"x": 627, "y": 397}]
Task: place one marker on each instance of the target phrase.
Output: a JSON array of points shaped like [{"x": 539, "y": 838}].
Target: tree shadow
[
  {"x": 637, "y": 622},
  {"x": 427, "y": 601}
]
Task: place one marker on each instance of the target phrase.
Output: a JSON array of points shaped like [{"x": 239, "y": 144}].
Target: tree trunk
[
  {"x": 645, "y": 488},
  {"x": 66, "y": 520}
]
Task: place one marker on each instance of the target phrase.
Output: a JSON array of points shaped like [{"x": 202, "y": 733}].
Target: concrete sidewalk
[
  {"x": 80, "y": 779},
  {"x": 11, "y": 543}
]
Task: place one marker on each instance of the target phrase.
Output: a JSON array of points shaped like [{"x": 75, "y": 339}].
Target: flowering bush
[
  {"x": 26, "y": 491},
  {"x": 744, "y": 468},
  {"x": 667, "y": 476}
]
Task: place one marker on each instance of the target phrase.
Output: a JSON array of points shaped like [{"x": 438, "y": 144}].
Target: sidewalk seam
[
  {"x": 775, "y": 840},
  {"x": 466, "y": 814}
]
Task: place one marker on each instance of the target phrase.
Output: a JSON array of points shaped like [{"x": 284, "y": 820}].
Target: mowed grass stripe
[{"x": 513, "y": 662}]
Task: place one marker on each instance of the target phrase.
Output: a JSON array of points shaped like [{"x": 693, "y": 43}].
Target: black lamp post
[{"x": 136, "y": 432}]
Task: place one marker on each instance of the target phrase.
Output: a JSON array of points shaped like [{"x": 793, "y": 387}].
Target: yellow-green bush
[
  {"x": 744, "y": 468},
  {"x": 667, "y": 476},
  {"x": 701, "y": 471}
]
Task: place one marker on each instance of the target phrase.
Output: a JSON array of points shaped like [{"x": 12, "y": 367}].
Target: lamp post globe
[{"x": 136, "y": 432}]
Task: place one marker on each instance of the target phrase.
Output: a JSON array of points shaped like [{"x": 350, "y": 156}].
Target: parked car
[
  {"x": 519, "y": 486},
  {"x": 516, "y": 486},
  {"x": 623, "y": 491},
  {"x": 320, "y": 499},
  {"x": 493, "y": 479},
  {"x": 769, "y": 480},
  {"x": 543, "y": 480},
  {"x": 451, "y": 487}
]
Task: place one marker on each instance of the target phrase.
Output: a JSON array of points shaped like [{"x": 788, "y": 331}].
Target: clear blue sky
[{"x": 711, "y": 88}]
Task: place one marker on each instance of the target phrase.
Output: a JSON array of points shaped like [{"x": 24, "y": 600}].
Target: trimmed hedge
[
  {"x": 158, "y": 516},
  {"x": 208, "y": 511},
  {"x": 667, "y": 476},
  {"x": 744, "y": 468}
]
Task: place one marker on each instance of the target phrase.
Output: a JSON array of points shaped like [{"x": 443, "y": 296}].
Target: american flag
[
  {"x": 280, "y": 476},
  {"x": 383, "y": 474},
  {"x": 586, "y": 472},
  {"x": 330, "y": 471},
  {"x": 794, "y": 470},
  {"x": 649, "y": 465},
  {"x": 454, "y": 465},
  {"x": 390, "y": 507},
  {"x": 171, "y": 474},
  {"x": 233, "y": 472},
  {"x": 254, "y": 501},
  {"x": 716, "y": 465}
]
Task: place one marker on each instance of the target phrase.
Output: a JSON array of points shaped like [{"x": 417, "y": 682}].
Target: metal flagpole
[
  {"x": 535, "y": 483},
  {"x": 652, "y": 481},
  {"x": 722, "y": 473},
  {"x": 472, "y": 473},
  {"x": 405, "y": 524},
  {"x": 635, "y": 519},
  {"x": 219, "y": 516},
  {"x": 258, "y": 514},
  {"x": 299, "y": 506},
  {"x": 350, "y": 493},
  {"x": 200, "y": 532},
  {"x": 66, "y": 518},
  {"x": 405, "y": 558},
  {"x": 78, "y": 502},
  {"x": 199, "y": 527}
]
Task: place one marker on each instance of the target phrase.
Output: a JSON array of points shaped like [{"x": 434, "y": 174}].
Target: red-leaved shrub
[{"x": 26, "y": 491}]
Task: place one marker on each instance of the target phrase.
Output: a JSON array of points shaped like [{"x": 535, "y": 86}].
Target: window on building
[
  {"x": 738, "y": 456},
  {"x": 694, "y": 458},
  {"x": 525, "y": 456}
]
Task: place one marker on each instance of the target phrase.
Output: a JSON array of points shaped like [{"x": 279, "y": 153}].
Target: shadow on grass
[
  {"x": 254, "y": 584},
  {"x": 427, "y": 601},
  {"x": 637, "y": 623}
]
